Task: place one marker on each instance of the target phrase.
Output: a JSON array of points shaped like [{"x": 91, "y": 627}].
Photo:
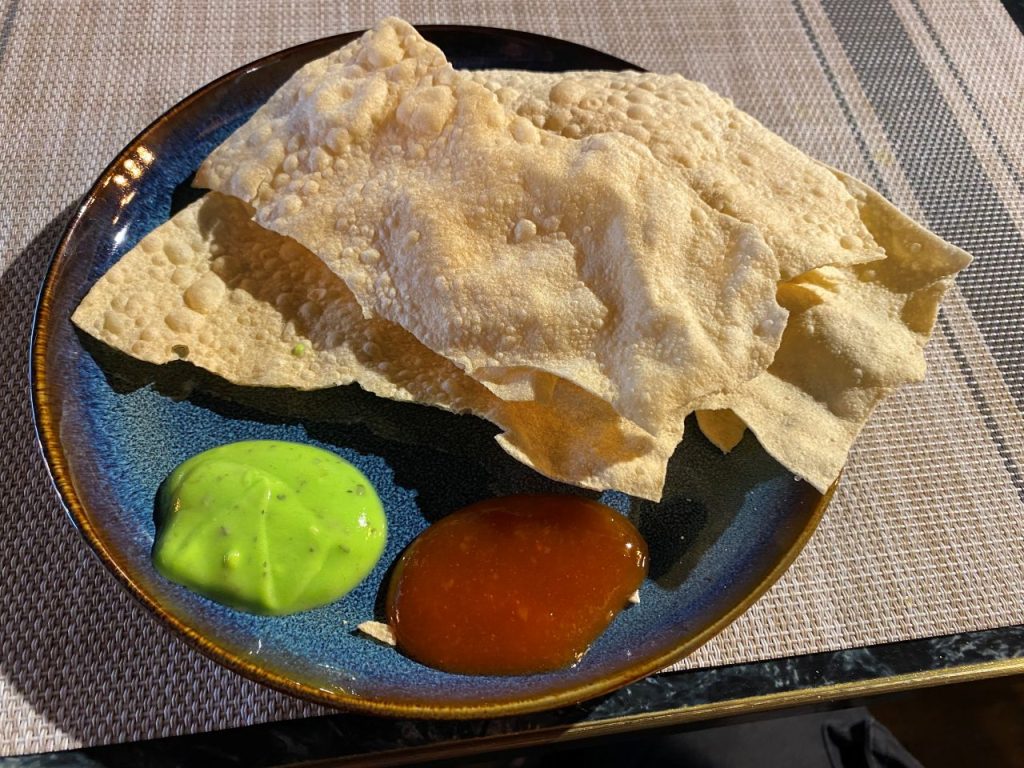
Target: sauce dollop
[
  {"x": 514, "y": 585},
  {"x": 268, "y": 527}
]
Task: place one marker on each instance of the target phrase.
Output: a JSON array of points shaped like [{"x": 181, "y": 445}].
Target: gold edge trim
[{"x": 643, "y": 721}]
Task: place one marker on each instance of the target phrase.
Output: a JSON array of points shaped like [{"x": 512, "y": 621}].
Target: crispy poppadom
[
  {"x": 854, "y": 335},
  {"x": 522, "y": 256},
  {"x": 722, "y": 427},
  {"x": 864, "y": 281},
  {"x": 731, "y": 160},
  {"x": 214, "y": 288},
  {"x": 582, "y": 258}
]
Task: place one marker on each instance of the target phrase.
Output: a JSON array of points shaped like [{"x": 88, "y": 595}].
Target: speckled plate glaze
[{"x": 112, "y": 428}]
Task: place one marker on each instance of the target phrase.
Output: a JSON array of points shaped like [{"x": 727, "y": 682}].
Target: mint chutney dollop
[{"x": 268, "y": 527}]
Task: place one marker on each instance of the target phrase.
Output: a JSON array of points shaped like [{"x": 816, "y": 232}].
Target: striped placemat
[{"x": 913, "y": 96}]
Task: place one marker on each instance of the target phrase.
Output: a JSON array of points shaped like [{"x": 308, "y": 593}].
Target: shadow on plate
[{"x": 453, "y": 460}]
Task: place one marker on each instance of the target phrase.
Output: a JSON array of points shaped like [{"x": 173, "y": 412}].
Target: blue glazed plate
[{"x": 112, "y": 428}]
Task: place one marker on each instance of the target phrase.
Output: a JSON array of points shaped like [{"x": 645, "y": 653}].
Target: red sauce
[{"x": 514, "y": 585}]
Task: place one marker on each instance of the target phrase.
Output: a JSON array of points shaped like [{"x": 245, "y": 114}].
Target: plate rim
[{"x": 46, "y": 420}]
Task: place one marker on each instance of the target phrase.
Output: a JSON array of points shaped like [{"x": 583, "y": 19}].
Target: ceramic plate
[{"x": 112, "y": 428}]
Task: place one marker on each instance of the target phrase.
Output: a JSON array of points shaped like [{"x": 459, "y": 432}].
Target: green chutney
[{"x": 268, "y": 527}]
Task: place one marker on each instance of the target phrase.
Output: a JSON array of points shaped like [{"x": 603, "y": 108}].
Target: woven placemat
[{"x": 923, "y": 536}]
